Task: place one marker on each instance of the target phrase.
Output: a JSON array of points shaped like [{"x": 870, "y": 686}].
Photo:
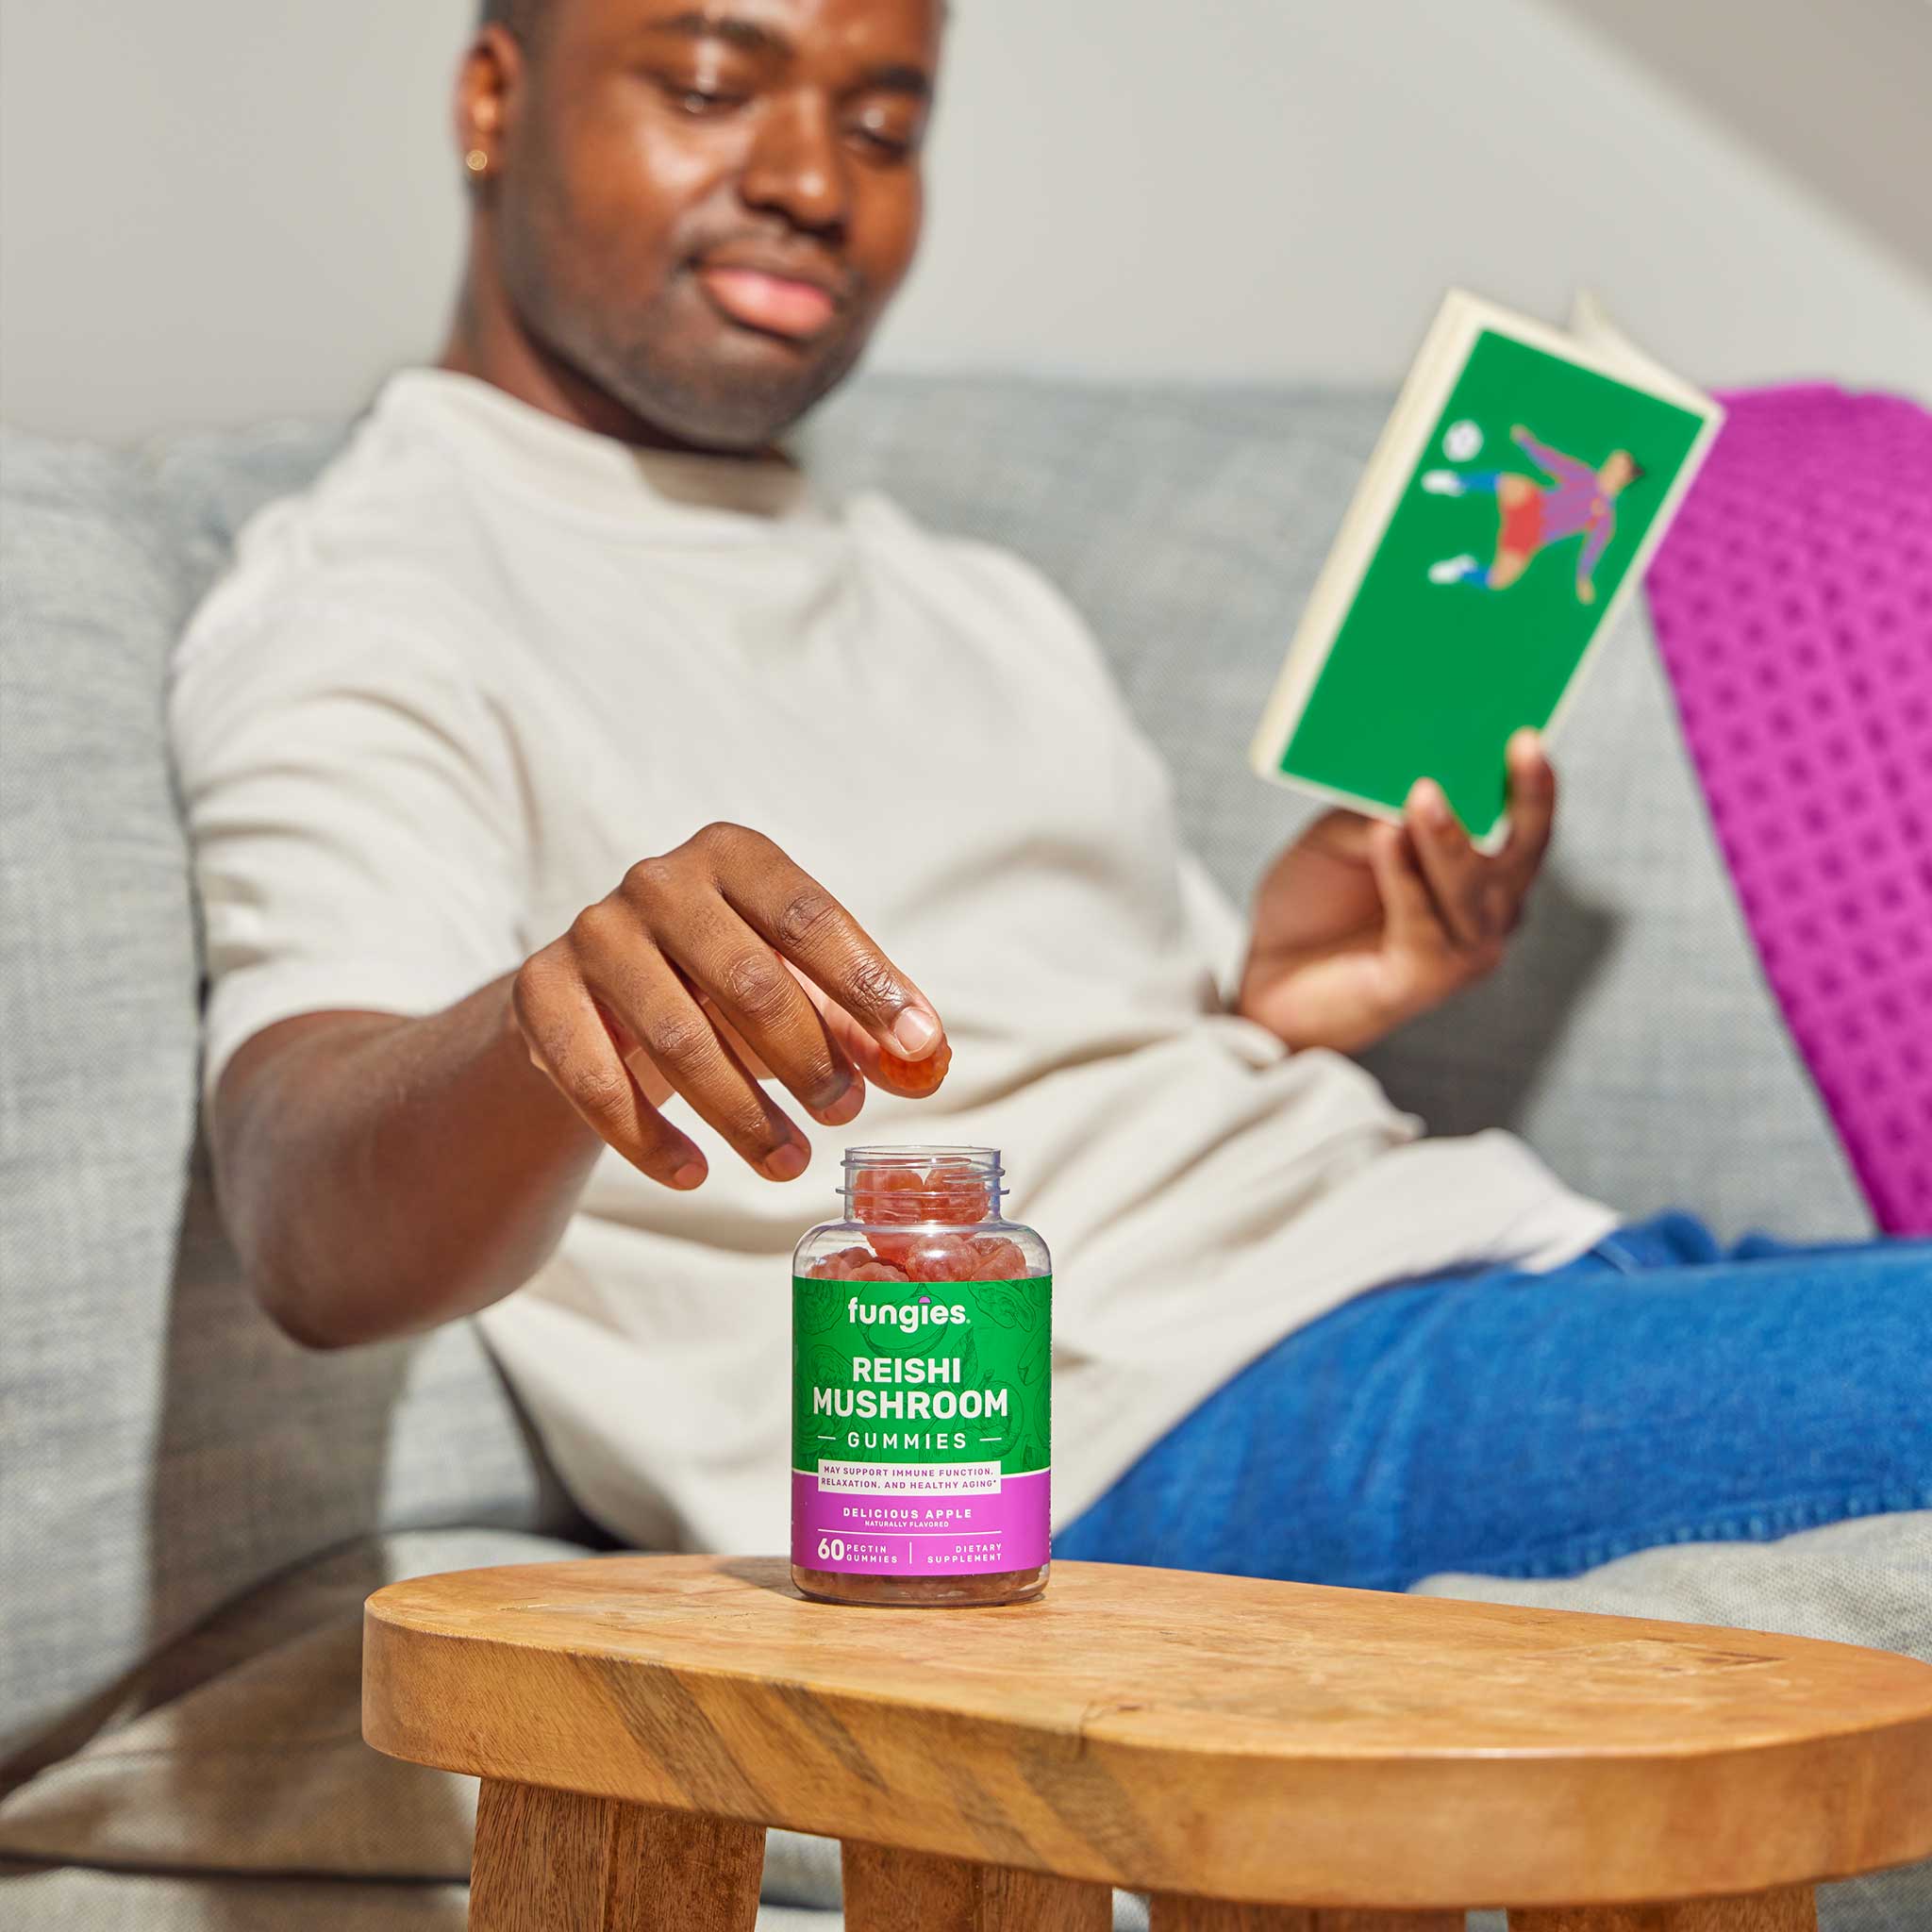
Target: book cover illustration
[{"x": 1520, "y": 489}]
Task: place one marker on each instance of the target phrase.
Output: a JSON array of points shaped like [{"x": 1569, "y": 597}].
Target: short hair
[{"x": 521, "y": 17}]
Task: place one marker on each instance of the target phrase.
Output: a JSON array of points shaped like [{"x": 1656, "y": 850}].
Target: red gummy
[
  {"x": 832, "y": 1267},
  {"x": 855, "y": 1264},
  {"x": 965, "y": 1258},
  {"x": 998, "y": 1259},
  {"x": 917, "y": 1078},
  {"x": 885, "y": 1196},
  {"x": 940, "y": 1258}
]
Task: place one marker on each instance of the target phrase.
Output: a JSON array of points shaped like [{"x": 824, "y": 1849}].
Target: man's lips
[{"x": 779, "y": 304}]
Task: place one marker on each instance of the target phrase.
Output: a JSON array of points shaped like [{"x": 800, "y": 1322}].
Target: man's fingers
[
  {"x": 1339, "y": 834},
  {"x": 1532, "y": 805},
  {"x": 657, "y": 1008},
  {"x": 711, "y": 969},
  {"x": 861, "y": 1048},
  {"x": 1409, "y": 916},
  {"x": 569, "y": 1042},
  {"x": 747, "y": 985},
  {"x": 753, "y": 1064},
  {"x": 1453, "y": 867},
  {"x": 656, "y": 1089},
  {"x": 803, "y": 923}
]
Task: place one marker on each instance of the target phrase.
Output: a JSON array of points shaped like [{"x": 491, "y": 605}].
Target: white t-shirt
[{"x": 446, "y": 697}]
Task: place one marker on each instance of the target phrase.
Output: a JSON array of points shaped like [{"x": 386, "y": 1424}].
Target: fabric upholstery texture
[
  {"x": 238, "y": 1751},
  {"x": 238, "y": 1747},
  {"x": 97, "y": 988},
  {"x": 162, "y": 1446},
  {"x": 1794, "y": 604},
  {"x": 68, "y": 1898},
  {"x": 190, "y": 1506}
]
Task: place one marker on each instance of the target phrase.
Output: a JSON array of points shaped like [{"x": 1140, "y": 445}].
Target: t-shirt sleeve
[{"x": 358, "y": 827}]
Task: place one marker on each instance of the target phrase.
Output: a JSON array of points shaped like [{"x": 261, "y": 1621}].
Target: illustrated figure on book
[{"x": 1533, "y": 516}]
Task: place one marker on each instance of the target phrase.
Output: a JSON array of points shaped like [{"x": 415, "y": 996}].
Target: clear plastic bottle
[{"x": 922, "y": 1353}]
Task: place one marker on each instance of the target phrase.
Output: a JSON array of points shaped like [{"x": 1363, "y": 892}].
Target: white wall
[
  {"x": 1281, "y": 186},
  {"x": 211, "y": 209},
  {"x": 1839, "y": 93}
]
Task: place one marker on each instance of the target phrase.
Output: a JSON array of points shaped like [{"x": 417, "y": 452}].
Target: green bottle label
[{"x": 941, "y": 1372}]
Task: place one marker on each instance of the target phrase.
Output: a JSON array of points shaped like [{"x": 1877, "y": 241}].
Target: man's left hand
[{"x": 1361, "y": 925}]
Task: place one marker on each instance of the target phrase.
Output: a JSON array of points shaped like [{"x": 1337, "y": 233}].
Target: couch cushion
[
  {"x": 1630, "y": 1038},
  {"x": 238, "y": 1751},
  {"x": 72, "y": 1898},
  {"x": 238, "y": 1748},
  {"x": 69, "y": 1899},
  {"x": 162, "y": 1447}
]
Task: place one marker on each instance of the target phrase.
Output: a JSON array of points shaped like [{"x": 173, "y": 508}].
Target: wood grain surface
[
  {"x": 1203, "y": 1735},
  {"x": 556, "y": 1861},
  {"x": 1791, "y": 1909},
  {"x": 888, "y": 1891},
  {"x": 1169, "y": 1912}
]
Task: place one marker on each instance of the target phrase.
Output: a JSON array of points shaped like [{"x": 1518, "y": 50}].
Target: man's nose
[{"x": 797, "y": 166}]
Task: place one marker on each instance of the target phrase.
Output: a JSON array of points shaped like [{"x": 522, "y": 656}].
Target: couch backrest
[
  {"x": 1630, "y": 1038},
  {"x": 163, "y": 1448}
]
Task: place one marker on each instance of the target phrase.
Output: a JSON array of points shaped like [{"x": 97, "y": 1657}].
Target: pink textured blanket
[{"x": 1793, "y": 603}]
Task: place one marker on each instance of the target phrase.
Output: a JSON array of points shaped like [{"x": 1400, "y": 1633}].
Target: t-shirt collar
[{"x": 578, "y": 468}]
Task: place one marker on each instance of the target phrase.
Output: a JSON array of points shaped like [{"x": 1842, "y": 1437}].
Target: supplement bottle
[{"x": 922, "y": 1358}]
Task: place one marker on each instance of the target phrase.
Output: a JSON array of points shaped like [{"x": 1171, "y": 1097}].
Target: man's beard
[{"x": 713, "y": 402}]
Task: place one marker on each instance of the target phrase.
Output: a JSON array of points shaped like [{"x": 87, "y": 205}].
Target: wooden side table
[{"x": 1261, "y": 1757}]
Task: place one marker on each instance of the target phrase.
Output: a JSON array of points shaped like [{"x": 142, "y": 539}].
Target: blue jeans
[{"x": 1658, "y": 1389}]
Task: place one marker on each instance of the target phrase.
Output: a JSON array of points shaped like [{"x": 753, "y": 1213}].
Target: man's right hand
[{"x": 708, "y": 969}]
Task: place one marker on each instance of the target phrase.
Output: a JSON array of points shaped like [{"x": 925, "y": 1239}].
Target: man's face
[{"x": 703, "y": 205}]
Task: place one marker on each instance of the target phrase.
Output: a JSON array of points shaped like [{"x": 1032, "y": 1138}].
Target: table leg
[
  {"x": 1793, "y": 1909},
  {"x": 1173, "y": 1912},
  {"x": 557, "y": 1861},
  {"x": 890, "y": 1891}
]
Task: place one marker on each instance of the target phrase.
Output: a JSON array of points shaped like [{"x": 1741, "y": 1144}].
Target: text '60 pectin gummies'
[{"x": 922, "y": 1369}]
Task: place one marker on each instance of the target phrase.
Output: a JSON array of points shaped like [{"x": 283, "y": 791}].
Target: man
[
  {"x": 559, "y": 765},
  {"x": 1532, "y": 516}
]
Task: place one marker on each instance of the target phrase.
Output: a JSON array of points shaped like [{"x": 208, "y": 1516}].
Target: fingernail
[
  {"x": 1427, "y": 799},
  {"x": 845, "y": 1108},
  {"x": 787, "y": 1162},
  {"x": 689, "y": 1175},
  {"x": 914, "y": 1031}
]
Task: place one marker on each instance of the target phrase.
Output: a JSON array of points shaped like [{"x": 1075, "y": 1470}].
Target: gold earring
[{"x": 475, "y": 161}]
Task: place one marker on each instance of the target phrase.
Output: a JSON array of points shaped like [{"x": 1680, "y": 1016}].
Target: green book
[{"x": 1520, "y": 488}]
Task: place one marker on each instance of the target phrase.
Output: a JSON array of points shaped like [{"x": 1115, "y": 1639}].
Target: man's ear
[{"x": 488, "y": 86}]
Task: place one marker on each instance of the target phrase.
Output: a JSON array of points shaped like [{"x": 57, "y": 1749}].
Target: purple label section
[{"x": 910, "y": 1533}]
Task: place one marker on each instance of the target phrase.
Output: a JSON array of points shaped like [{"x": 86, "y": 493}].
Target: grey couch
[{"x": 191, "y": 1509}]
